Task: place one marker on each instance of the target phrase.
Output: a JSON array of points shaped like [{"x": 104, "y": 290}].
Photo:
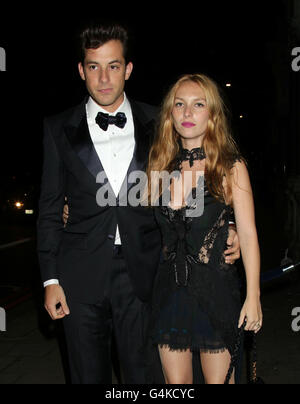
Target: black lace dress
[{"x": 196, "y": 299}]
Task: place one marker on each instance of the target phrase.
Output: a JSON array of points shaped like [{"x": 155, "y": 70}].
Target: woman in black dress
[{"x": 196, "y": 299}]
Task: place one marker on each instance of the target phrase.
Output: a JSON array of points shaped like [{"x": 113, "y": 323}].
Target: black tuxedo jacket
[{"x": 80, "y": 254}]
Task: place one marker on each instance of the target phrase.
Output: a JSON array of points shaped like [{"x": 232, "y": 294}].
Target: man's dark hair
[{"x": 97, "y": 35}]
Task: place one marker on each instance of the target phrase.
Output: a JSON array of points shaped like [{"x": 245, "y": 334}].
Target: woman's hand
[
  {"x": 252, "y": 312},
  {"x": 234, "y": 252}
]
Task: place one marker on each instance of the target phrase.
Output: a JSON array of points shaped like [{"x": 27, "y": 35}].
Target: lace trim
[
  {"x": 209, "y": 241},
  {"x": 197, "y": 153},
  {"x": 177, "y": 348},
  {"x": 180, "y": 340},
  {"x": 206, "y": 250},
  {"x": 180, "y": 213}
]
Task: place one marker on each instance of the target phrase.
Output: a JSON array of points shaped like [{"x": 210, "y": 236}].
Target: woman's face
[{"x": 190, "y": 112}]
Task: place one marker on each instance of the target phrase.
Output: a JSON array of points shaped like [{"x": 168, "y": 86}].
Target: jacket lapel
[
  {"x": 143, "y": 132},
  {"x": 78, "y": 135}
]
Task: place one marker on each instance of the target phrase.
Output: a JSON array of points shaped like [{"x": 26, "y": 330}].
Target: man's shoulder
[
  {"x": 66, "y": 116},
  {"x": 148, "y": 107},
  {"x": 151, "y": 111}
]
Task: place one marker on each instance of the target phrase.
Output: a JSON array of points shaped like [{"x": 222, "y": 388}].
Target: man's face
[{"x": 105, "y": 73}]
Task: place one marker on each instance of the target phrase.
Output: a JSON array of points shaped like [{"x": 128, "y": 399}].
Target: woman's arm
[{"x": 244, "y": 210}]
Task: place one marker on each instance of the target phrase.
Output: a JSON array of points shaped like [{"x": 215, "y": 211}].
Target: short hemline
[{"x": 177, "y": 348}]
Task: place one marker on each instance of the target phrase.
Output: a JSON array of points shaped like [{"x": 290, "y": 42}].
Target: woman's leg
[
  {"x": 177, "y": 366},
  {"x": 215, "y": 367}
]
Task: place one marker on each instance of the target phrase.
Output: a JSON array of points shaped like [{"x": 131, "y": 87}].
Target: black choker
[{"x": 197, "y": 153}]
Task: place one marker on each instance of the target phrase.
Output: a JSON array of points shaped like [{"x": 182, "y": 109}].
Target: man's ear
[
  {"x": 128, "y": 70},
  {"x": 81, "y": 71}
]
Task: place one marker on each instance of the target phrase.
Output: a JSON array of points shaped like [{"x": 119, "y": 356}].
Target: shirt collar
[{"x": 92, "y": 109}]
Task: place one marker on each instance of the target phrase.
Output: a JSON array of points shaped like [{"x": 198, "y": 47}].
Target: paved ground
[
  {"x": 278, "y": 344},
  {"x": 31, "y": 351},
  {"x": 28, "y": 356}
]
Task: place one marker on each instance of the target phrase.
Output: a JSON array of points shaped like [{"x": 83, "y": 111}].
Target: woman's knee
[
  {"x": 215, "y": 367},
  {"x": 217, "y": 380},
  {"x": 177, "y": 366},
  {"x": 179, "y": 379}
]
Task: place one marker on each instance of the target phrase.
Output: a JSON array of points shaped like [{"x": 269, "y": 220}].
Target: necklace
[{"x": 197, "y": 153}]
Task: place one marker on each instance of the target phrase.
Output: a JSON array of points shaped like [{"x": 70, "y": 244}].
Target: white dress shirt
[{"x": 114, "y": 147}]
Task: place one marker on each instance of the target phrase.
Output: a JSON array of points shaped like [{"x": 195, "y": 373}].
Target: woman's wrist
[{"x": 253, "y": 295}]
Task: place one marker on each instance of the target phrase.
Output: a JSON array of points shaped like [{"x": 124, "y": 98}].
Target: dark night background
[
  {"x": 247, "y": 44},
  {"x": 230, "y": 42}
]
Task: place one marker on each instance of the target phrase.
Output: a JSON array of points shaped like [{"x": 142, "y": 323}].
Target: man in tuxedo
[{"x": 98, "y": 270}]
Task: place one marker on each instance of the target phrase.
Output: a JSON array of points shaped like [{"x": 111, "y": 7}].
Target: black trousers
[{"x": 89, "y": 330}]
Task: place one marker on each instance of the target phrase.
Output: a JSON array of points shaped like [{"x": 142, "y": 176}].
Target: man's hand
[
  {"x": 54, "y": 296},
  {"x": 234, "y": 252},
  {"x": 65, "y": 215}
]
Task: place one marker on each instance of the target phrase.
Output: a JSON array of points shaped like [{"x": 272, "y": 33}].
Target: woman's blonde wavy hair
[{"x": 219, "y": 145}]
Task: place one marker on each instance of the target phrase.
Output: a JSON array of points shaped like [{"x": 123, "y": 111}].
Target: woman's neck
[{"x": 190, "y": 144}]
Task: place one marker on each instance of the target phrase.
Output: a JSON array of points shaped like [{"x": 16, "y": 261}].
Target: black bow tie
[{"x": 103, "y": 120}]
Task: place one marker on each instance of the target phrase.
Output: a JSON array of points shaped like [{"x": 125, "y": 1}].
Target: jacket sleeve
[{"x": 50, "y": 225}]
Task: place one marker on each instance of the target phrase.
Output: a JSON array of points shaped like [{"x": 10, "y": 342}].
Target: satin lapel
[
  {"x": 79, "y": 137},
  {"x": 82, "y": 144},
  {"x": 143, "y": 133}
]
